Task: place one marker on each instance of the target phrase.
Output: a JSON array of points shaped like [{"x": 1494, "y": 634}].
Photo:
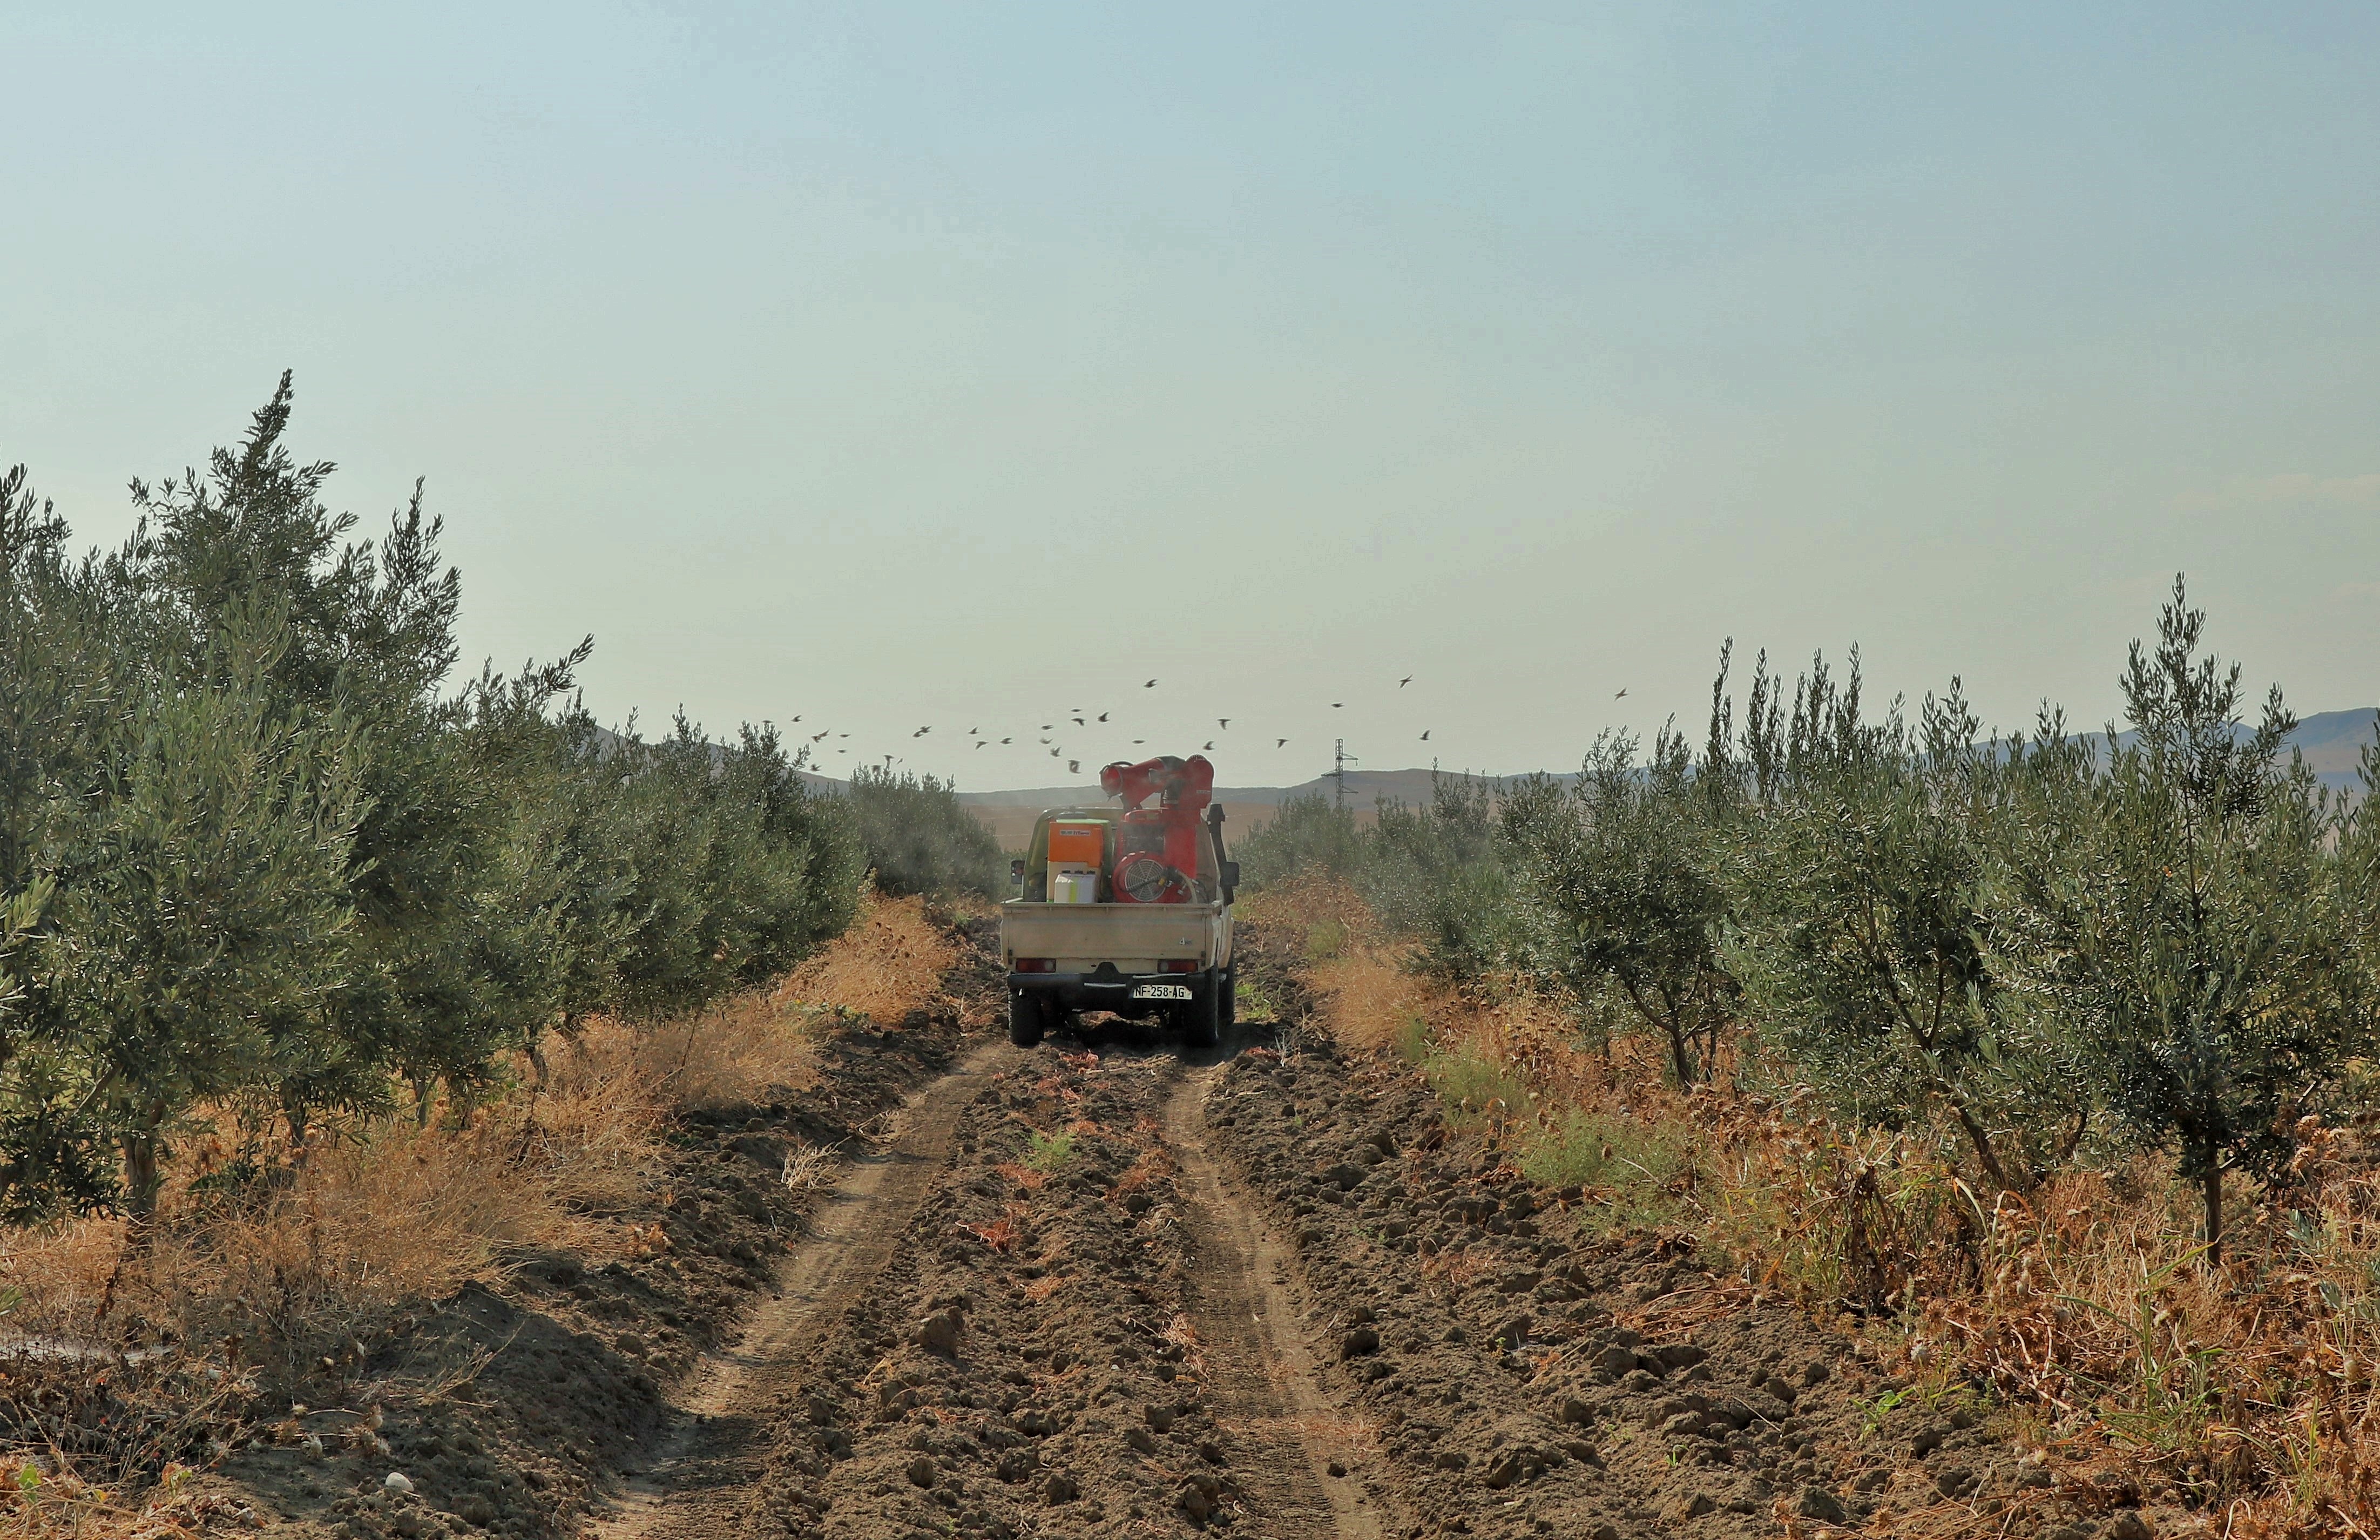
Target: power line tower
[{"x": 1339, "y": 761}]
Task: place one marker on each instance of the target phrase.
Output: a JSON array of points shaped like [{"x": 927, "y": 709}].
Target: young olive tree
[
  {"x": 61, "y": 696},
  {"x": 2178, "y": 913},
  {"x": 1861, "y": 892},
  {"x": 201, "y": 912},
  {"x": 1622, "y": 873},
  {"x": 176, "y": 846},
  {"x": 1440, "y": 873}
]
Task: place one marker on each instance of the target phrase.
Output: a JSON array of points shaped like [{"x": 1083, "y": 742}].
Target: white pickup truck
[{"x": 1169, "y": 960}]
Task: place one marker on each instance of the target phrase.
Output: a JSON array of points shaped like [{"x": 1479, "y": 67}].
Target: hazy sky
[{"x": 892, "y": 365}]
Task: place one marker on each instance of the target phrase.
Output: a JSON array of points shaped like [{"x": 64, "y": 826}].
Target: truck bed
[{"x": 1135, "y": 936}]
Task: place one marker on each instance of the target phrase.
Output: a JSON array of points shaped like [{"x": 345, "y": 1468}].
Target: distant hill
[{"x": 2333, "y": 743}]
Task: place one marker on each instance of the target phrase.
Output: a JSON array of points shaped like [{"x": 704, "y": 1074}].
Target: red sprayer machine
[
  {"x": 1157, "y": 849},
  {"x": 1126, "y": 908}
]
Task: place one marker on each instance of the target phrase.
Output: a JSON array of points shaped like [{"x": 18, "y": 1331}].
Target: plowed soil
[{"x": 1106, "y": 1287}]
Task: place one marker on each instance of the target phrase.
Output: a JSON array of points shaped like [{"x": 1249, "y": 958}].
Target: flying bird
[
  {"x": 1008, "y": 740},
  {"x": 1224, "y": 722},
  {"x": 797, "y": 718},
  {"x": 1336, "y": 704},
  {"x": 1074, "y": 767},
  {"x": 975, "y": 732},
  {"x": 1211, "y": 743},
  {"x": 1277, "y": 742},
  {"x": 1078, "y": 722},
  {"x": 1406, "y": 679},
  {"x": 1140, "y": 740},
  {"x": 816, "y": 736},
  {"x": 1104, "y": 715},
  {"x": 921, "y": 732},
  {"x": 979, "y": 743},
  {"x": 1053, "y": 754},
  {"x": 1150, "y": 685},
  {"x": 1425, "y": 734}
]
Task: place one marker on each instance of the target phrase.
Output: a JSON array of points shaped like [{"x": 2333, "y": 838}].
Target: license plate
[{"x": 1161, "y": 991}]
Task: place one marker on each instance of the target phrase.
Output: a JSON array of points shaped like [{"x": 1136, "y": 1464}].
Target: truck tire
[
  {"x": 1229, "y": 1011},
  {"x": 1026, "y": 1019},
  {"x": 1202, "y": 1020}
]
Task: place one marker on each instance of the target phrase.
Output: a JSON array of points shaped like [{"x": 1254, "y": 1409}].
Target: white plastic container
[{"x": 1069, "y": 883}]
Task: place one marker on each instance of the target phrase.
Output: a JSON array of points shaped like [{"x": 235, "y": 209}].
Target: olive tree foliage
[
  {"x": 256, "y": 856},
  {"x": 735, "y": 872},
  {"x": 1308, "y": 834},
  {"x": 2182, "y": 915},
  {"x": 1860, "y": 888},
  {"x": 1439, "y": 873},
  {"x": 919, "y": 837},
  {"x": 1621, "y": 870}
]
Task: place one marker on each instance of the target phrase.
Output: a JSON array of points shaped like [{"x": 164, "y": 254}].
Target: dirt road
[{"x": 1043, "y": 1308}]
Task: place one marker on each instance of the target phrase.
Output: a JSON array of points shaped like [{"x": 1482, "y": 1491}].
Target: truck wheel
[
  {"x": 1230, "y": 1010},
  {"x": 1026, "y": 1019},
  {"x": 1202, "y": 1021}
]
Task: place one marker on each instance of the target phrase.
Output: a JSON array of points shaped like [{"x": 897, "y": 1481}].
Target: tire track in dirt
[
  {"x": 700, "y": 1475},
  {"x": 1264, "y": 1376}
]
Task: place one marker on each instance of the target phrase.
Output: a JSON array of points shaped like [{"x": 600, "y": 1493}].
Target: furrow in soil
[
  {"x": 1302, "y": 1472},
  {"x": 704, "y": 1468}
]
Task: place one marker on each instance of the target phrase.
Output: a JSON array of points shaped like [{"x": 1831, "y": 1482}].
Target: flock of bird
[{"x": 1081, "y": 718}]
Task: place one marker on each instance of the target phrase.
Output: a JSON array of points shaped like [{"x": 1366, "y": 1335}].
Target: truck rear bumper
[{"x": 1126, "y": 994}]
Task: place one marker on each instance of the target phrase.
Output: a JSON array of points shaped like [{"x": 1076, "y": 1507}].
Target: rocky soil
[{"x": 1515, "y": 1370}]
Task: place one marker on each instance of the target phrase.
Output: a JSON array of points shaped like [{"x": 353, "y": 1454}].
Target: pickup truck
[{"x": 1133, "y": 916}]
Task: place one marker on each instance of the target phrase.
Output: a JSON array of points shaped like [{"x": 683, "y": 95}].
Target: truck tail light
[
  {"x": 1036, "y": 965},
  {"x": 1183, "y": 964}
]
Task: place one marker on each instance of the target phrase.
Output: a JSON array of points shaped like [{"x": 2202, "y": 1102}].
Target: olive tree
[
  {"x": 2179, "y": 913},
  {"x": 1861, "y": 935},
  {"x": 1622, "y": 870}
]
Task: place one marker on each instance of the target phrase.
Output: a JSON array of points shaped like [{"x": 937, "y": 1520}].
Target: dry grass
[
  {"x": 890, "y": 963},
  {"x": 2251, "y": 1394}
]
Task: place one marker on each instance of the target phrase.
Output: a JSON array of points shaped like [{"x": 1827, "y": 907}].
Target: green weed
[
  {"x": 1254, "y": 1002},
  {"x": 1872, "y": 1412},
  {"x": 1630, "y": 1164},
  {"x": 1476, "y": 1090},
  {"x": 1050, "y": 1152}
]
